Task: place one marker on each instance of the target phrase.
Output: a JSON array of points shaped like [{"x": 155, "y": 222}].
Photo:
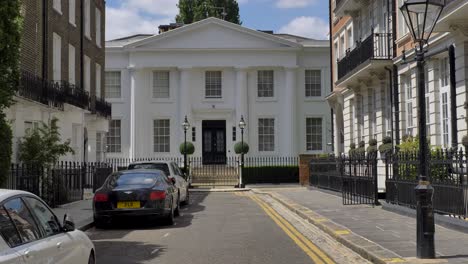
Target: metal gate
[{"x": 359, "y": 180}]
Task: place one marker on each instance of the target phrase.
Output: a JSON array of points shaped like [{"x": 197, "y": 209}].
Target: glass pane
[
  {"x": 46, "y": 220},
  {"x": 23, "y": 220},
  {"x": 8, "y": 230}
]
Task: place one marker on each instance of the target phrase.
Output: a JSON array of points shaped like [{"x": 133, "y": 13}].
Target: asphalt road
[{"x": 216, "y": 228}]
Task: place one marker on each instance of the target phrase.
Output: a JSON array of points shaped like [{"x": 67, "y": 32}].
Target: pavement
[
  {"x": 81, "y": 212},
  {"x": 378, "y": 235}
]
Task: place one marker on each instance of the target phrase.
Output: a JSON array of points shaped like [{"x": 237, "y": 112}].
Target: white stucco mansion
[{"x": 214, "y": 72}]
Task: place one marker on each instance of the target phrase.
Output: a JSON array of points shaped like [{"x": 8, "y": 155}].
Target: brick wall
[
  {"x": 31, "y": 41},
  {"x": 304, "y": 172}
]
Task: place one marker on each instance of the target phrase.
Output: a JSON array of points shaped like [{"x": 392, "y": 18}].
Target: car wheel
[
  {"x": 187, "y": 198},
  {"x": 92, "y": 259},
  {"x": 177, "y": 210},
  {"x": 170, "y": 217}
]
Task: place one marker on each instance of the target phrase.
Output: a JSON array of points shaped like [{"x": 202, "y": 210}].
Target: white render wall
[{"x": 239, "y": 69}]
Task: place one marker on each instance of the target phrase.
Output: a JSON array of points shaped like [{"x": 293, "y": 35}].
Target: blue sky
[{"x": 307, "y": 18}]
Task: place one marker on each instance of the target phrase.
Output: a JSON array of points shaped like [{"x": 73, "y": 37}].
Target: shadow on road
[
  {"x": 123, "y": 226},
  {"x": 127, "y": 252}
]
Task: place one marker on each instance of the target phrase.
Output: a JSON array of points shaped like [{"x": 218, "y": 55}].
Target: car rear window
[
  {"x": 151, "y": 166},
  {"x": 140, "y": 179}
]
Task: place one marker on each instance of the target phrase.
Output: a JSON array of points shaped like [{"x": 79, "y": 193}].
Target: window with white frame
[
  {"x": 342, "y": 46},
  {"x": 98, "y": 27},
  {"x": 99, "y": 146},
  {"x": 87, "y": 18},
  {"x": 87, "y": 73},
  {"x": 314, "y": 135},
  {"x": 359, "y": 116},
  {"x": 372, "y": 103},
  {"x": 313, "y": 83},
  {"x": 265, "y": 83},
  {"x": 444, "y": 101},
  {"x": 72, "y": 12},
  {"x": 349, "y": 33},
  {"x": 266, "y": 134},
  {"x": 161, "y": 135},
  {"x": 98, "y": 80},
  {"x": 57, "y": 4},
  {"x": 352, "y": 112},
  {"x": 113, "y": 84},
  {"x": 57, "y": 57},
  {"x": 30, "y": 125},
  {"x": 114, "y": 137},
  {"x": 161, "y": 84},
  {"x": 402, "y": 27},
  {"x": 71, "y": 64},
  {"x": 386, "y": 97},
  {"x": 409, "y": 105},
  {"x": 76, "y": 139},
  {"x": 213, "y": 84}
]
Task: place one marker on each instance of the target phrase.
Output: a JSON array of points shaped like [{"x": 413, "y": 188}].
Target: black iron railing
[
  {"x": 448, "y": 175},
  {"x": 101, "y": 107},
  {"x": 376, "y": 47},
  {"x": 37, "y": 89},
  {"x": 75, "y": 95},
  {"x": 326, "y": 173}
]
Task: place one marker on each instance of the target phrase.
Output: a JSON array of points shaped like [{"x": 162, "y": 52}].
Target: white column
[
  {"x": 132, "y": 73},
  {"x": 184, "y": 101},
  {"x": 289, "y": 130},
  {"x": 242, "y": 104}
]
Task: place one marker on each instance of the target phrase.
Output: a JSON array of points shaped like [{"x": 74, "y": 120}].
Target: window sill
[
  {"x": 266, "y": 99},
  {"x": 313, "y": 99},
  {"x": 161, "y": 100},
  {"x": 57, "y": 10},
  {"x": 213, "y": 99}
]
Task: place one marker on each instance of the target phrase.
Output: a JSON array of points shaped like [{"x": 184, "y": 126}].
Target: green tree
[
  {"x": 10, "y": 37},
  {"x": 42, "y": 146},
  {"x": 194, "y": 10}
]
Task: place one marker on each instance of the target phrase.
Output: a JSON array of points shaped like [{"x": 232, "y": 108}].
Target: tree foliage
[
  {"x": 43, "y": 146},
  {"x": 194, "y": 10},
  {"x": 5, "y": 146},
  {"x": 10, "y": 37}
]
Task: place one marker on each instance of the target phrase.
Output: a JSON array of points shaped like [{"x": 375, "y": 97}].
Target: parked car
[
  {"x": 136, "y": 192},
  {"x": 31, "y": 233},
  {"x": 172, "y": 170}
]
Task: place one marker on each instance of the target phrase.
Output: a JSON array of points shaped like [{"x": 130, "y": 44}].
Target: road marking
[
  {"x": 394, "y": 260},
  {"x": 305, "y": 244},
  {"x": 342, "y": 232},
  {"x": 166, "y": 235},
  {"x": 378, "y": 227},
  {"x": 154, "y": 251}
]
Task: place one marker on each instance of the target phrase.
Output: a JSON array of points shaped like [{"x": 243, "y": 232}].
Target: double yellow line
[{"x": 317, "y": 256}]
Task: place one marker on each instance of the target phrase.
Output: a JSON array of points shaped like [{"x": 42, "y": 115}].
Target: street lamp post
[
  {"x": 185, "y": 126},
  {"x": 242, "y": 127},
  {"x": 421, "y": 17}
]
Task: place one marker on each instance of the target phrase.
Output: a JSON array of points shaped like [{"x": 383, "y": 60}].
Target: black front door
[{"x": 214, "y": 141}]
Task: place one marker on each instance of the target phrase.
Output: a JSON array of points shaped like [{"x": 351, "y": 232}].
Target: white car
[{"x": 31, "y": 233}]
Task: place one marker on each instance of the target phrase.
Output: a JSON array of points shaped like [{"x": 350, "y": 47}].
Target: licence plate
[{"x": 126, "y": 205}]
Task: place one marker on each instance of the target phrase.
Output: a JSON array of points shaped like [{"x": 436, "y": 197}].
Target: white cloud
[
  {"x": 312, "y": 27},
  {"x": 294, "y": 3},
  {"x": 122, "y": 22}
]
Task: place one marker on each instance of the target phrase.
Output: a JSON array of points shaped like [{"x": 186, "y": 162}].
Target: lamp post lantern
[
  {"x": 421, "y": 16},
  {"x": 242, "y": 126},
  {"x": 185, "y": 126}
]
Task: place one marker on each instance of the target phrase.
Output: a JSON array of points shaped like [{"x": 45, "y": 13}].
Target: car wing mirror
[
  {"x": 172, "y": 179},
  {"x": 68, "y": 224}
]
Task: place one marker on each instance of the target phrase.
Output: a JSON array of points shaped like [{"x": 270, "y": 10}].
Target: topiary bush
[
  {"x": 238, "y": 148},
  {"x": 190, "y": 148},
  {"x": 386, "y": 146}
]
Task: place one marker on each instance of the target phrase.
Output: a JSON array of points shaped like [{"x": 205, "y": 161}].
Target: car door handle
[{"x": 59, "y": 245}]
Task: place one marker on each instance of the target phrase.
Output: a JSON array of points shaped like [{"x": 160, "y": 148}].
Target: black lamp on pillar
[
  {"x": 185, "y": 126},
  {"x": 421, "y": 16},
  {"x": 242, "y": 126}
]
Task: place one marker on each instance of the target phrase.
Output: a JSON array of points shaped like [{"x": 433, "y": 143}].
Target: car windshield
[
  {"x": 151, "y": 166},
  {"x": 140, "y": 179}
]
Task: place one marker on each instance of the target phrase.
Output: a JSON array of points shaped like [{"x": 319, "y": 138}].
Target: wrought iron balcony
[
  {"x": 375, "y": 47},
  {"x": 102, "y": 108},
  {"x": 75, "y": 95},
  {"x": 37, "y": 89}
]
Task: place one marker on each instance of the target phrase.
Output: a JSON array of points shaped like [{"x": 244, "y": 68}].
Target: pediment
[{"x": 213, "y": 34}]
